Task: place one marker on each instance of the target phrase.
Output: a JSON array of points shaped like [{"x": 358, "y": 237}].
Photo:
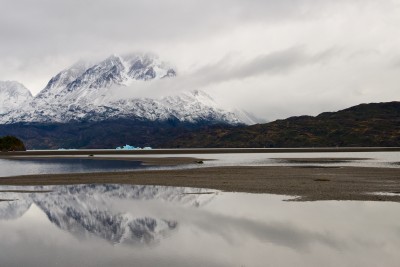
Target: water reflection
[
  {"x": 54, "y": 164},
  {"x": 124, "y": 225},
  {"x": 85, "y": 210},
  {"x": 13, "y": 167}
]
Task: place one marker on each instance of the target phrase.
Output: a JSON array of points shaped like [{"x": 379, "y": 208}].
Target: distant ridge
[{"x": 364, "y": 125}]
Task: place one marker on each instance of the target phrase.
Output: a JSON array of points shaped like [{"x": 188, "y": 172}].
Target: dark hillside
[
  {"x": 11, "y": 143},
  {"x": 365, "y": 125},
  {"x": 376, "y": 124}
]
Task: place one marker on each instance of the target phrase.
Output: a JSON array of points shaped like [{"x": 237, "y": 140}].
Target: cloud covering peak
[{"x": 273, "y": 58}]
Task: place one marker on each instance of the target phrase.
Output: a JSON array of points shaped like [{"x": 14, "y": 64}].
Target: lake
[
  {"x": 132, "y": 225},
  {"x": 54, "y": 164},
  {"x": 13, "y": 167},
  {"x": 358, "y": 159}
]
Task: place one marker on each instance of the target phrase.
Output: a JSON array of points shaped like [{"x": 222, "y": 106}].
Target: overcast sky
[{"x": 274, "y": 58}]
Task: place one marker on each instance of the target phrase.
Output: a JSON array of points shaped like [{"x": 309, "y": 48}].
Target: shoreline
[
  {"x": 194, "y": 151},
  {"x": 144, "y": 161},
  {"x": 309, "y": 183}
]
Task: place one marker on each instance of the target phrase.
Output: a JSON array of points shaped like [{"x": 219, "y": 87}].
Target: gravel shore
[{"x": 309, "y": 183}]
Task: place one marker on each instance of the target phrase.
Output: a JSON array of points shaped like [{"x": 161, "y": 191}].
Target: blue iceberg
[{"x": 128, "y": 147}]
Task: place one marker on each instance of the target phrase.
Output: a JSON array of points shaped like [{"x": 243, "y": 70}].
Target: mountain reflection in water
[
  {"x": 85, "y": 210},
  {"x": 125, "y": 225}
]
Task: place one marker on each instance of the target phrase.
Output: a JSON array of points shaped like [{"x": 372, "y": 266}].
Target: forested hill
[
  {"x": 375, "y": 124},
  {"x": 11, "y": 143}
]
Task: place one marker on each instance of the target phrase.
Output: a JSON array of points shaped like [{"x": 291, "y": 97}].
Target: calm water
[
  {"x": 74, "y": 165},
  {"x": 360, "y": 159},
  {"x": 119, "y": 225},
  {"x": 13, "y": 167}
]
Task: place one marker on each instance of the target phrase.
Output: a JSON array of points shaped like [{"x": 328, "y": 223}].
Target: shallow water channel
[
  {"x": 127, "y": 225},
  {"x": 54, "y": 165},
  {"x": 99, "y": 163}
]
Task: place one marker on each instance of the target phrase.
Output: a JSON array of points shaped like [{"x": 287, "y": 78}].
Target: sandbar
[{"x": 307, "y": 183}]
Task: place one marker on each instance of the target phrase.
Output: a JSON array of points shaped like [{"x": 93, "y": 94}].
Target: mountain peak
[
  {"x": 12, "y": 95},
  {"x": 13, "y": 87},
  {"x": 63, "y": 79},
  {"x": 87, "y": 92}
]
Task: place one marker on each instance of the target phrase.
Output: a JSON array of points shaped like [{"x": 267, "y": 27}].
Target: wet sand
[
  {"x": 308, "y": 182},
  {"x": 317, "y": 160}
]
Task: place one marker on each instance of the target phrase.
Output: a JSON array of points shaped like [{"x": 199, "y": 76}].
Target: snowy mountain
[
  {"x": 12, "y": 96},
  {"x": 94, "y": 92}
]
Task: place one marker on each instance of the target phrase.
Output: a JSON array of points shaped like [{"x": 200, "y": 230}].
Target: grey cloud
[
  {"x": 231, "y": 68},
  {"x": 39, "y": 38},
  {"x": 63, "y": 26},
  {"x": 279, "y": 62},
  {"x": 395, "y": 63}
]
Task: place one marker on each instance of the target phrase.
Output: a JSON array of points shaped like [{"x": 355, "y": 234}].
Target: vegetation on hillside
[
  {"x": 365, "y": 125},
  {"x": 102, "y": 134},
  {"x": 376, "y": 124},
  {"x": 11, "y": 143}
]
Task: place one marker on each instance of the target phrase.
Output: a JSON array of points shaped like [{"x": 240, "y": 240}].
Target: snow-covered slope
[
  {"x": 86, "y": 92},
  {"x": 12, "y": 96}
]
